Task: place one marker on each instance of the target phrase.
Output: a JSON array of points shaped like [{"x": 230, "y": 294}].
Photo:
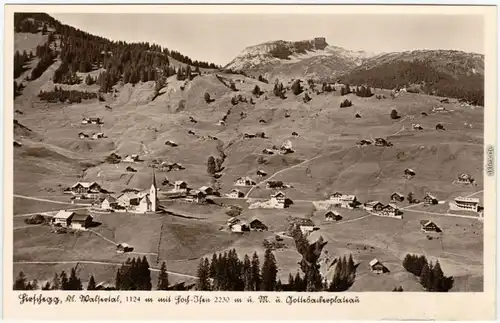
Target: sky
[{"x": 218, "y": 38}]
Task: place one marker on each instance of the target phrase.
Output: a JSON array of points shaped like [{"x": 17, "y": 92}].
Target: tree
[
  {"x": 145, "y": 275},
  {"x": 74, "y": 282},
  {"x": 296, "y": 87},
  {"x": 247, "y": 274},
  {"x": 410, "y": 198},
  {"x": 394, "y": 114},
  {"x": 207, "y": 97},
  {"x": 269, "y": 271},
  {"x": 256, "y": 91},
  {"x": 163, "y": 278},
  {"x": 398, "y": 289},
  {"x": 211, "y": 166},
  {"x": 64, "y": 281},
  {"x": 47, "y": 286},
  {"x": 203, "y": 273},
  {"x": 21, "y": 282},
  {"x": 307, "y": 98},
  {"x": 256, "y": 275},
  {"x": 426, "y": 276},
  {"x": 233, "y": 86},
  {"x": 56, "y": 283},
  {"x": 91, "y": 285}
]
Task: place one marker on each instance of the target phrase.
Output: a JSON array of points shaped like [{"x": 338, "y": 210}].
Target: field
[{"x": 325, "y": 160}]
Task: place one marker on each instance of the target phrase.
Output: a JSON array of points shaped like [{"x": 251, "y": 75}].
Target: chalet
[
  {"x": 82, "y": 135},
  {"x": 295, "y": 134},
  {"x": 63, "y": 218},
  {"x": 81, "y": 221},
  {"x": 262, "y": 121},
  {"x": 93, "y": 120},
  {"x": 307, "y": 229},
  {"x": 180, "y": 186},
  {"x": 373, "y": 206},
  {"x": 409, "y": 173},
  {"x": 466, "y": 204},
  {"x": 123, "y": 247},
  {"x": 335, "y": 197},
  {"x": 279, "y": 200},
  {"x": 89, "y": 189},
  {"x": 439, "y": 127},
  {"x": 429, "y": 226},
  {"x": 363, "y": 142},
  {"x": 196, "y": 196},
  {"x": 257, "y": 225},
  {"x": 261, "y": 173},
  {"x": 268, "y": 151},
  {"x": 170, "y": 143},
  {"x": 207, "y": 190},
  {"x": 377, "y": 267},
  {"x": 235, "y": 194},
  {"x": 381, "y": 142},
  {"x": 131, "y": 159},
  {"x": 348, "y": 201},
  {"x": 233, "y": 220},
  {"x": 97, "y": 135},
  {"x": 248, "y": 135},
  {"x": 465, "y": 179},
  {"x": 108, "y": 203},
  {"x": 333, "y": 216},
  {"x": 416, "y": 127},
  {"x": 397, "y": 197},
  {"x": 430, "y": 199},
  {"x": 130, "y": 169},
  {"x": 260, "y": 134},
  {"x": 446, "y": 100},
  {"x": 423, "y": 114},
  {"x": 390, "y": 210},
  {"x": 239, "y": 228},
  {"x": 244, "y": 181},
  {"x": 221, "y": 123},
  {"x": 191, "y": 132},
  {"x": 17, "y": 144},
  {"x": 357, "y": 115},
  {"x": 172, "y": 166}
]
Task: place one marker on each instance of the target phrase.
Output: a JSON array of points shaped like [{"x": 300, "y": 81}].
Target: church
[{"x": 137, "y": 201}]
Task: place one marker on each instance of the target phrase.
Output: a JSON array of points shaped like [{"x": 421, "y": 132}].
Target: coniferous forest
[{"x": 83, "y": 52}]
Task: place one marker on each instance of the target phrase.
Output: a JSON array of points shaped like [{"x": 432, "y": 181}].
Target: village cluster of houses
[
  {"x": 277, "y": 201},
  {"x": 285, "y": 148},
  {"x": 164, "y": 166}
]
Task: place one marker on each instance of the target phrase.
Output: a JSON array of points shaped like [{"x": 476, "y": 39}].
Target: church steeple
[{"x": 153, "y": 193}]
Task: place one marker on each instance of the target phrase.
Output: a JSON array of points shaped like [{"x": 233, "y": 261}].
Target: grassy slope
[{"x": 138, "y": 125}]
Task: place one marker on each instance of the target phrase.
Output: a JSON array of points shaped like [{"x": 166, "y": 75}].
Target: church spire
[{"x": 154, "y": 178}]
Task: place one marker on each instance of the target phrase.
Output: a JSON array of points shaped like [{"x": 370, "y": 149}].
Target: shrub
[
  {"x": 207, "y": 97},
  {"x": 297, "y": 87},
  {"x": 346, "y": 103},
  {"x": 394, "y": 114}
]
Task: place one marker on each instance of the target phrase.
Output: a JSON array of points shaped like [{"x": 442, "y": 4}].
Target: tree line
[
  {"x": 71, "y": 96},
  {"x": 431, "y": 276},
  {"x": 395, "y": 74}
]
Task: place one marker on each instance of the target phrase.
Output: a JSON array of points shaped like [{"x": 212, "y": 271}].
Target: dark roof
[{"x": 80, "y": 217}]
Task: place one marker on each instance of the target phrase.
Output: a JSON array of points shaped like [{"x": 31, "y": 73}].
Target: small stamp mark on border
[{"x": 490, "y": 160}]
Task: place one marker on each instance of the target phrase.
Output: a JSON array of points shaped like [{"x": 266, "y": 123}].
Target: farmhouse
[
  {"x": 106, "y": 203},
  {"x": 235, "y": 194},
  {"x": 416, "y": 127},
  {"x": 233, "y": 220},
  {"x": 409, "y": 173},
  {"x": 377, "y": 267},
  {"x": 82, "y": 135},
  {"x": 91, "y": 121},
  {"x": 295, "y": 134},
  {"x": 363, "y": 142},
  {"x": 171, "y": 166},
  {"x": 429, "y": 226},
  {"x": 257, "y": 225},
  {"x": 131, "y": 158},
  {"x": 439, "y": 127},
  {"x": 97, "y": 135},
  {"x": 430, "y": 199},
  {"x": 466, "y": 204},
  {"x": 465, "y": 179},
  {"x": 390, "y": 210},
  {"x": 381, "y": 142},
  {"x": 207, "y": 190},
  {"x": 348, "y": 201},
  {"x": 87, "y": 189},
  {"x": 268, "y": 151},
  {"x": 286, "y": 148},
  {"x": 373, "y": 206},
  {"x": 123, "y": 247},
  {"x": 336, "y": 197},
  {"x": 180, "y": 186},
  {"x": 81, "y": 221},
  {"x": 307, "y": 229},
  {"x": 248, "y": 135},
  {"x": 244, "y": 181},
  {"x": 278, "y": 201},
  {"x": 333, "y": 216},
  {"x": 261, "y": 173},
  {"x": 221, "y": 123},
  {"x": 196, "y": 196},
  {"x": 239, "y": 228},
  {"x": 260, "y": 134},
  {"x": 397, "y": 197},
  {"x": 63, "y": 218},
  {"x": 170, "y": 143}
]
